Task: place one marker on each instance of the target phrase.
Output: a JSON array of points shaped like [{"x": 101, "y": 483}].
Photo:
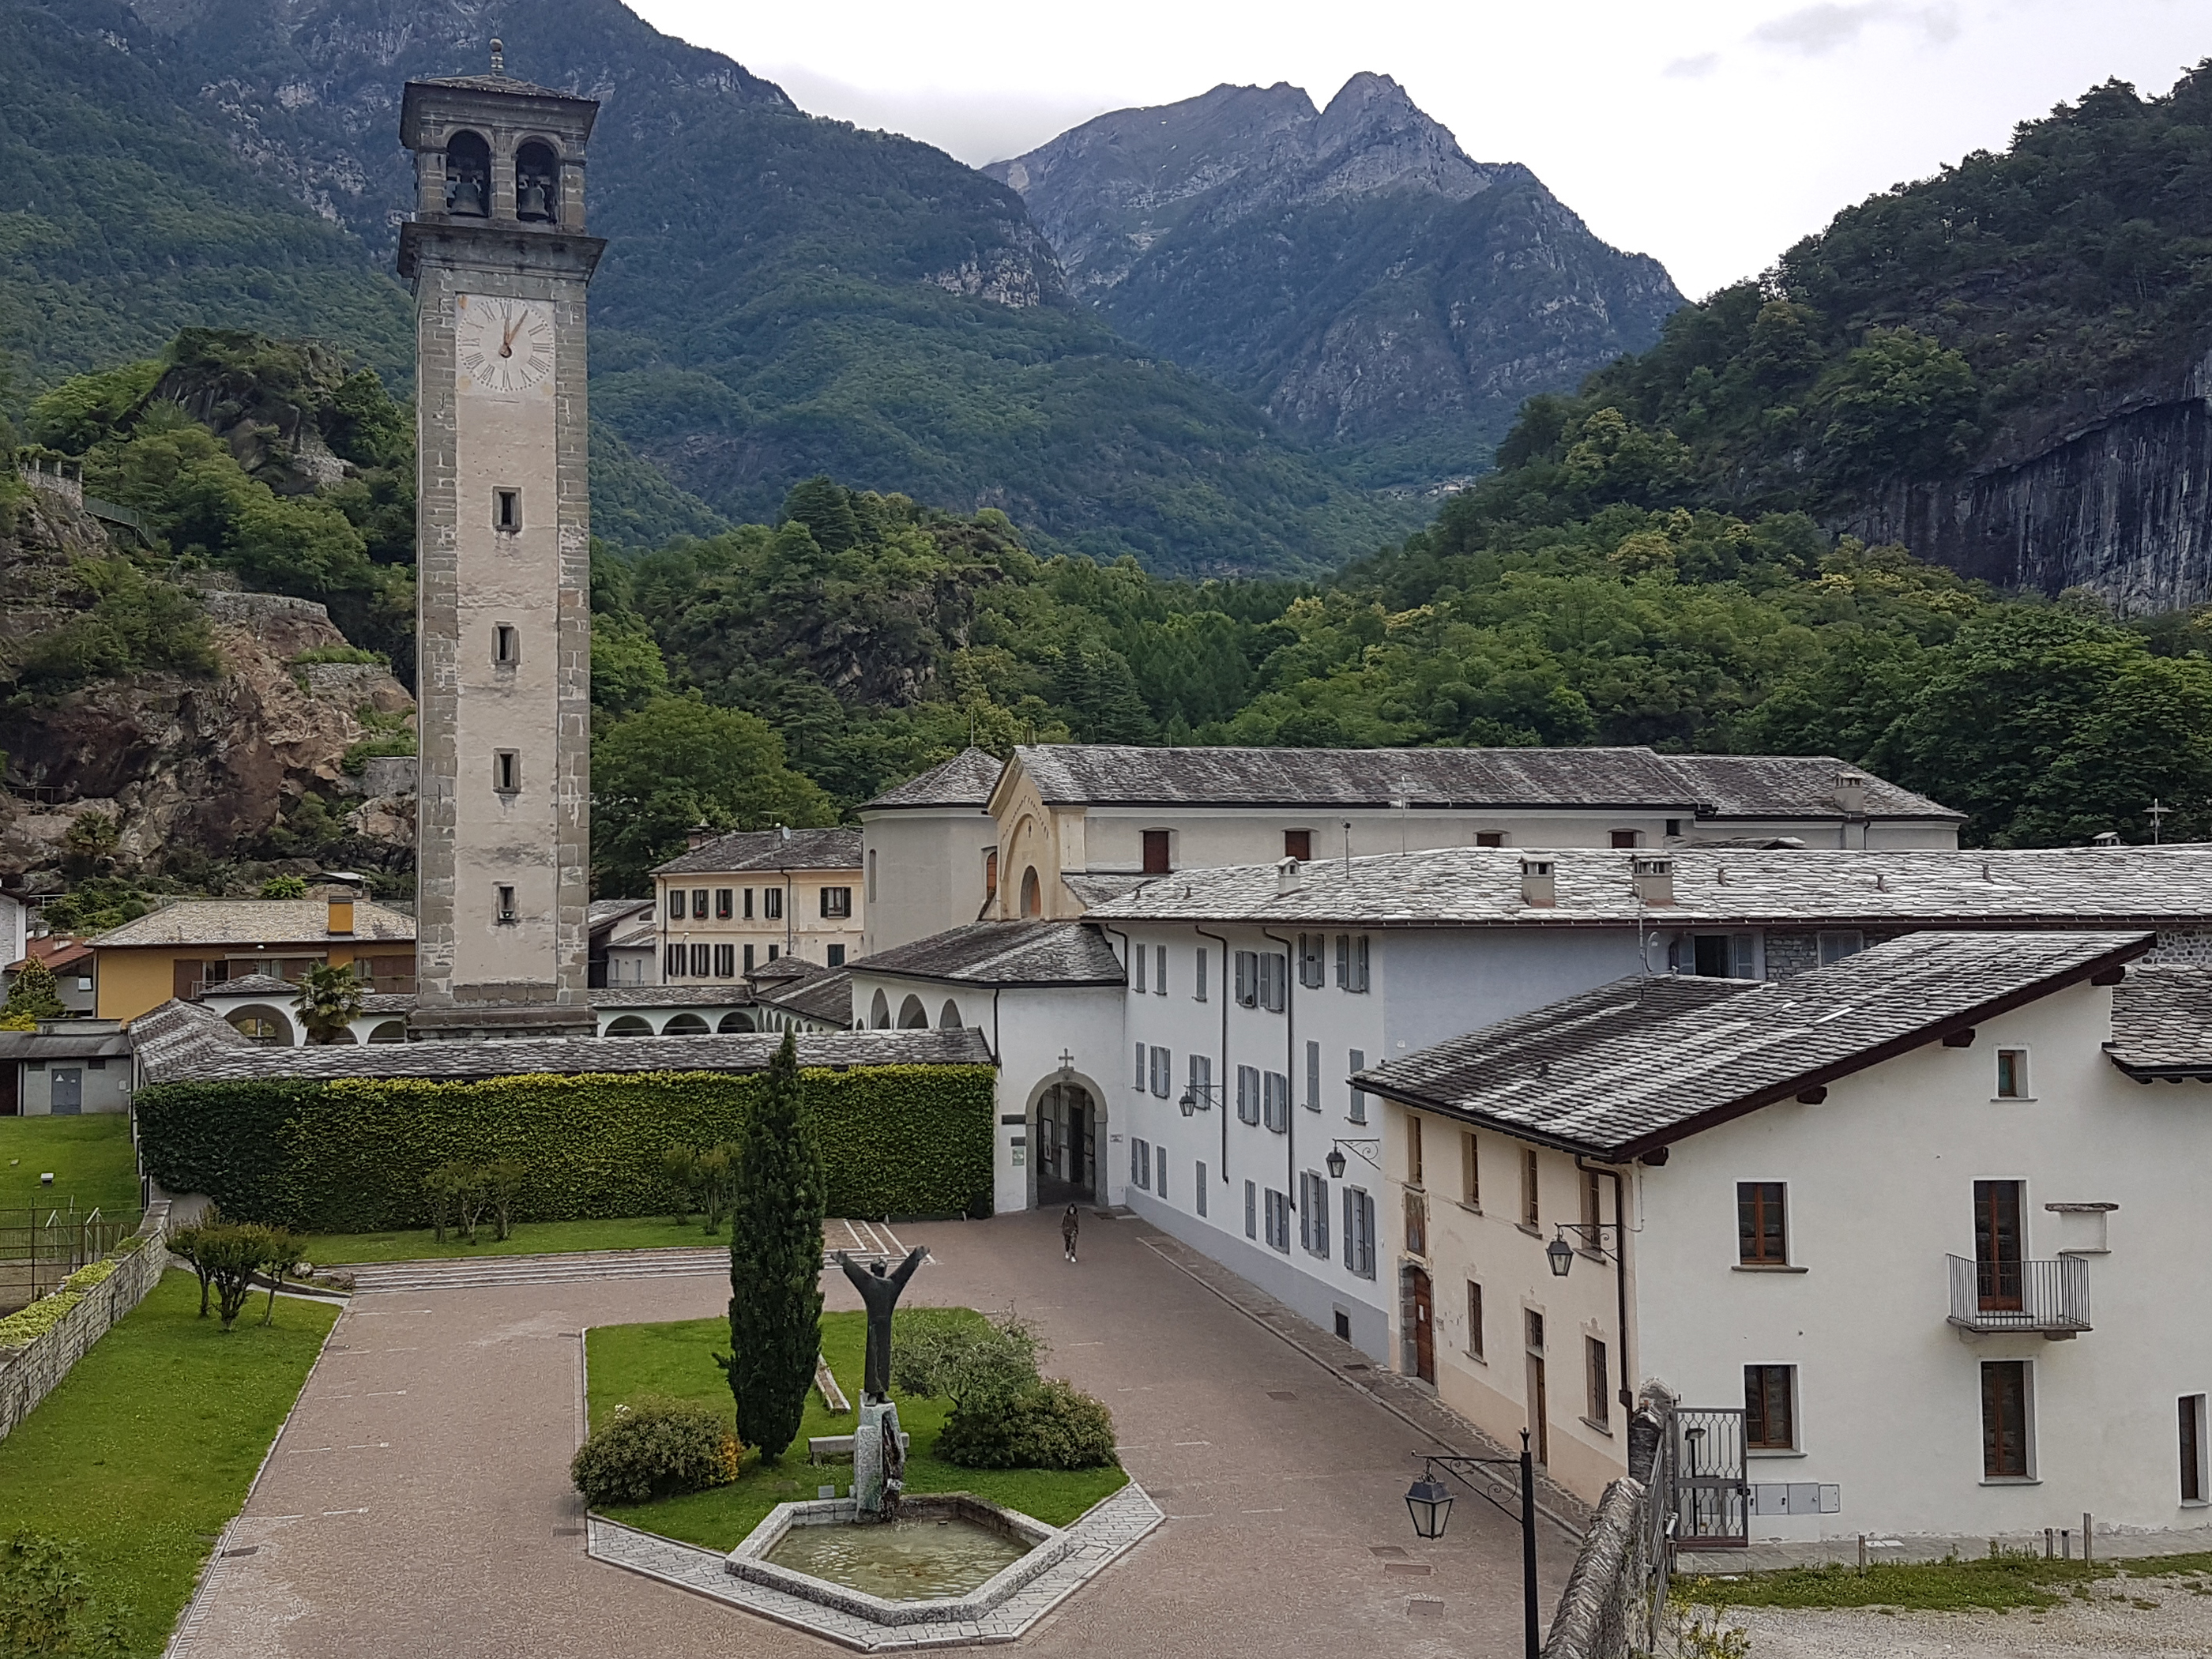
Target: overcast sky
[{"x": 1711, "y": 133}]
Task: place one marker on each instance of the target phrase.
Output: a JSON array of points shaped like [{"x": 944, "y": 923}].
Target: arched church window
[
  {"x": 468, "y": 176},
  {"x": 536, "y": 183},
  {"x": 1031, "y": 896}
]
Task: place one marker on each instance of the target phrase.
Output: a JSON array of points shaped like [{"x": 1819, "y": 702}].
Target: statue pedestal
[{"x": 879, "y": 1426}]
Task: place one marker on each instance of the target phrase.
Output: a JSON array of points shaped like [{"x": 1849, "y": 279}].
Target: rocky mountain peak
[{"x": 1373, "y": 137}]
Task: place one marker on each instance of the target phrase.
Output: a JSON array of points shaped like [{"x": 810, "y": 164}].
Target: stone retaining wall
[
  {"x": 1610, "y": 1608},
  {"x": 28, "y": 1375}
]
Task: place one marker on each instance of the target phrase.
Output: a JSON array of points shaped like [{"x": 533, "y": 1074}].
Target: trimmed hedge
[{"x": 349, "y": 1156}]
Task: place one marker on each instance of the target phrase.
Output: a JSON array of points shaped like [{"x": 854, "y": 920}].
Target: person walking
[{"x": 1070, "y": 1225}]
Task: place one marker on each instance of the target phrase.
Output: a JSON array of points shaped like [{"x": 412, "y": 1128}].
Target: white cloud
[
  {"x": 1816, "y": 31},
  {"x": 1692, "y": 69}
]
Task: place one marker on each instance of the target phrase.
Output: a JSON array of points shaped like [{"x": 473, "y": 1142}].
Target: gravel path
[{"x": 2157, "y": 1619}]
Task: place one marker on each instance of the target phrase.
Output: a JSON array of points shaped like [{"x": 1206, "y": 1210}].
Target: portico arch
[
  {"x": 913, "y": 1017},
  {"x": 1065, "y": 1127},
  {"x": 879, "y": 1012}
]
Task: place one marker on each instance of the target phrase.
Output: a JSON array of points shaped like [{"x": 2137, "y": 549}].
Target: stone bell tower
[{"x": 499, "y": 260}]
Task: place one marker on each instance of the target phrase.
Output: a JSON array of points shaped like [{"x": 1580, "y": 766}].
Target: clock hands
[{"x": 506, "y": 342}]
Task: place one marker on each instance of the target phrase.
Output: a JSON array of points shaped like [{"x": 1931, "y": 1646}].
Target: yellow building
[
  {"x": 182, "y": 948},
  {"x": 735, "y": 902}
]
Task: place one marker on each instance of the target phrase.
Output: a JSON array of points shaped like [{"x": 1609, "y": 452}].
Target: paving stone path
[
  {"x": 418, "y": 1505},
  {"x": 865, "y": 1241}
]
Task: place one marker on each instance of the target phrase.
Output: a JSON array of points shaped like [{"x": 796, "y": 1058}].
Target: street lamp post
[{"x": 1430, "y": 1503}]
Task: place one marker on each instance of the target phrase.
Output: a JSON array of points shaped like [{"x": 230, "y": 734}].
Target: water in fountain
[{"x": 920, "y": 1559}]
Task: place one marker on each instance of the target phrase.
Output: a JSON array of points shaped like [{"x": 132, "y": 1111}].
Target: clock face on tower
[{"x": 502, "y": 347}]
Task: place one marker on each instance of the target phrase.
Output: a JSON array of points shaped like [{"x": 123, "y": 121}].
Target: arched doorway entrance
[{"x": 1065, "y": 1138}]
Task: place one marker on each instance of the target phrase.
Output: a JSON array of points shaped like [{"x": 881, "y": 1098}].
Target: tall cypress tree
[{"x": 775, "y": 1261}]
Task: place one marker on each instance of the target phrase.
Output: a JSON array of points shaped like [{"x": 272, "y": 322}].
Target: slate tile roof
[
  {"x": 506, "y": 83},
  {"x": 605, "y": 913},
  {"x": 826, "y": 997},
  {"x": 768, "y": 849},
  {"x": 252, "y": 985},
  {"x": 1615, "y": 1071},
  {"x": 1628, "y": 778},
  {"x": 1713, "y": 887},
  {"x": 181, "y": 1043},
  {"x": 1004, "y": 953},
  {"x": 2162, "y": 1023},
  {"x": 966, "y": 779},
  {"x": 258, "y": 921},
  {"x": 63, "y": 1045},
  {"x": 732, "y": 995}
]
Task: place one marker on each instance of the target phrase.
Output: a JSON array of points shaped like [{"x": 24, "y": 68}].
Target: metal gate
[{"x": 1712, "y": 1497}]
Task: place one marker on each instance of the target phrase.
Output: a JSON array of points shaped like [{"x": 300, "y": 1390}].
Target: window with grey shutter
[
  {"x": 1313, "y": 1076},
  {"x": 1160, "y": 1186},
  {"x": 1138, "y": 1082},
  {"x": 1200, "y": 1189},
  {"x": 1159, "y": 970},
  {"x": 1248, "y": 1094},
  {"x": 1198, "y": 976},
  {"x": 1274, "y": 981},
  {"x": 1359, "y": 1096},
  {"x": 1276, "y": 1101},
  {"x": 1739, "y": 956},
  {"x": 1358, "y": 977},
  {"x": 1201, "y": 1082},
  {"x": 1251, "y": 1211},
  {"x": 1344, "y": 962},
  {"x": 1313, "y": 1214},
  {"x": 1137, "y": 956},
  {"x": 1163, "y": 1071},
  {"x": 1358, "y": 1232},
  {"x": 1313, "y": 948},
  {"x": 1279, "y": 1221},
  {"x": 1248, "y": 978}
]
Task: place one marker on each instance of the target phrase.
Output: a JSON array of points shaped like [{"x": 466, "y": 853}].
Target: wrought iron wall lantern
[{"x": 1335, "y": 1158}]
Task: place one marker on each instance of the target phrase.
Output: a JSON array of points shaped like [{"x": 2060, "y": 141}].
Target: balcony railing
[{"x": 2049, "y": 1296}]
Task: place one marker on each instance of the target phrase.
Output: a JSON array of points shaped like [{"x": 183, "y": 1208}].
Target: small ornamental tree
[
  {"x": 777, "y": 1193},
  {"x": 36, "y": 995},
  {"x": 330, "y": 1001},
  {"x": 284, "y": 887}
]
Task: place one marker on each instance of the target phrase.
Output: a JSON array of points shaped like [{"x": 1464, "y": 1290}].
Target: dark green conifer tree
[{"x": 775, "y": 1261}]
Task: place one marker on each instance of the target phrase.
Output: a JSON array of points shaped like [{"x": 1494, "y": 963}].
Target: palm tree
[{"x": 330, "y": 1001}]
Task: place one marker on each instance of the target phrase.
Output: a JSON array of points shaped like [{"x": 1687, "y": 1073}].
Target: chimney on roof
[
  {"x": 1540, "y": 885},
  {"x": 341, "y": 914},
  {"x": 1852, "y": 791},
  {"x": 697, "y": 836},
  {"x": 2106, "y": 838},
  {"x": 1289, "y": 876},
  {"x": 1653, "y": 874}
]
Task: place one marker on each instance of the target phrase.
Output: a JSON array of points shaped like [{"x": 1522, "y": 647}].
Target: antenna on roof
[
  {"x": 1347, "y": 849},
  {"x": 2157, "y": 813}
]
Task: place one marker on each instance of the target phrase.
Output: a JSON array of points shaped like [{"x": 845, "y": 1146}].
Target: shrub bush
[
  {"x": 1052, "y": 1425},
  {"x": 653, "y": 1447},
  {"x": 349, "y": 1157}
]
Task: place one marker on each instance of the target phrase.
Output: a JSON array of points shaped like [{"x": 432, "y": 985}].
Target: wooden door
[
  {"x": 1539, "y": 1414},
  {"x": 1997, "y": 1244},
  {"x": 1424, "y": 1330}
]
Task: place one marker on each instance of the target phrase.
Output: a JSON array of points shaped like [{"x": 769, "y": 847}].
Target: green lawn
[
  {"x": 2004, "y": 1582},
  {"x": 649, "y": 1232},
  {"x": 90, "y": 1158},
  {"x": 628, "y": 1360},
  {"x": 146, "y": 1448}
]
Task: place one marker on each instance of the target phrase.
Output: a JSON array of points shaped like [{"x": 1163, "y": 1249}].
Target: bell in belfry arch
[
  {"x": 468, "y": 196},
  {"x": 530, "y": 199}
]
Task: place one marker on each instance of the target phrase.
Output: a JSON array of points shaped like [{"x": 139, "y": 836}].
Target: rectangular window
[
  {"x": 1343, "y": 961},
  {"x": 506, "y": 771},
  {"x": 1531, "y": 1216},
  {"x": 1762, "y": 1233},
  {"x": 725, "y": 961},
  {"x": 1155, "y": 852},
  {"x": 836, "y": 903},
  {"x": 772, "y": 904},
  {"x": 676, "y": 904},
  {"x": 1144, "y": 1061},
  {"x": 1490, "y": 838},
  {"x": 2006, "y": 1453},
  {"x": 674, "y": 966},
  {"x": 505, "y": 644},
  {"x": 700, "y": 960},
  {"x": 747, "y": 911},
  {"x": 1475, "y": 1334},
  {"x": 1358, "y": 1107},
  {"x": 1535, "y": 1330},
  {"x": 1201, "y": 1082},
  {"x": 1140, "y": 960},
  {"x": 1417, "y": 1222},
  {"x": 1248, "y": 978},
  {"x": 1251, "y": 1211},
  {"x": 1352, "y": 962},
  {"x": 1199, "y": 1190},
  {"x": 1834, "y": 947},
  {"x": 503, "y": 899},
  {"x": 1160, "y": 1190},
  {"x": 1141, "y": 1163},
  {"x": 1600, "y": 1397},
  {"x": 1999, "y": 1245},
  {"x": 2193, "y": 1472},
  {"x": 872, "y": 876},
  {"x": 1415, "y": 1163},
  {"x": 991, "y": 873},
  {"x": 1313, "y": 951},
  {"x": 1248, "y": 1094},
  {"x": 1198, "y": 979},
  {"x": 1298, "y": 844},
  {"x": 2012, "y": 1074},
  {"x": 1279, "y": 1221},
  {"x": 725, "y": 905},
  {"x": 699, "y": 903},
  {"x": 1313, "y": 1076},
  {"x": 1275, "y": 1100},
  {"x": 1358, "y": 1232},
  {"x": 1163, "y": 1071},
  {"x": 835, "y": 958},
  {"x": 1628, "y": 838},
  {"x": 506, "y": 510},
  {"x": 749, "y": 958},
  {"x": 1313, "y": 1214},
  {"x": 771, "y": 950},
  {"x": 1593, "y": 1213},
  {"x": 1470, "y": 1170},
  {"x": 1770, "y": 1407},
  {"x": 1159, "y": 970}
]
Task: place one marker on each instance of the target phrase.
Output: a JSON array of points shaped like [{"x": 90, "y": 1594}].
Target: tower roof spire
[{"x": 498, "y": 57}]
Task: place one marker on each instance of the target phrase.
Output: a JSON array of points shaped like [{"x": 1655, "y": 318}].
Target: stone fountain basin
[{"x": 1046, "y": 1548}]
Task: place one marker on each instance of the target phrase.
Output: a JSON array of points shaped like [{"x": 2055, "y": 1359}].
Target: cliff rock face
[
  {"x": 1351, "y": 268},
  {"x": 187, "y": 767},
  {"x": 2109, "y": 494}
]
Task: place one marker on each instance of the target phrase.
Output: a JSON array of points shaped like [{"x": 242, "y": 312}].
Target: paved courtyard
[{"x": 418, "y": 1502}]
